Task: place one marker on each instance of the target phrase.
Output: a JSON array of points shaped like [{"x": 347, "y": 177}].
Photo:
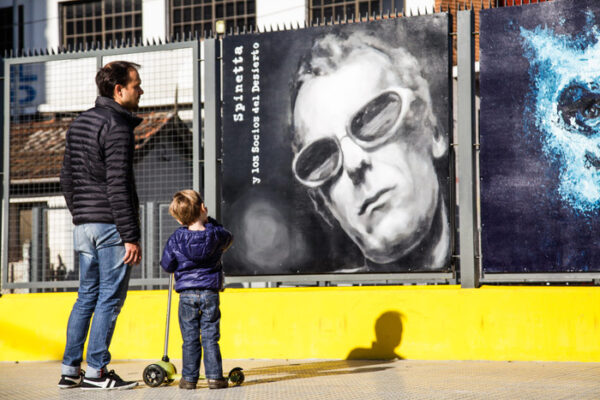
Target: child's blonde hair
[{"x": 186, "y": 206}]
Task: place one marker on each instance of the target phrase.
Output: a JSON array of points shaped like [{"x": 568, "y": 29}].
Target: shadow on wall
[{"x": 388, "y": 335}]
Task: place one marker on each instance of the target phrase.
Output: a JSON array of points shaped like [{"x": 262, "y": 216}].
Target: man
[
  {"x": 365, "y": 143},
  {"x": 99, "y": 188}
]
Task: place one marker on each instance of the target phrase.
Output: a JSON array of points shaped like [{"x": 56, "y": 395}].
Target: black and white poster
[
  {"x": 335, "y": 148},
  {"x": 540, "y": 137}
]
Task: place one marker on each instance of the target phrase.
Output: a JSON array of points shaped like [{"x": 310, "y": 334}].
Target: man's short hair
[
  {"x": 330, "y": 52},
  {"x": 113, "y": 74},
  {"x": 186, "y": 206}
]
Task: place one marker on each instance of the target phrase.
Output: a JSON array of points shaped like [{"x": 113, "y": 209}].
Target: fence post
[
  {"x": 4, "y": 123},
  {"x": 149, "y": 248},
  {"x": 197, "y": 119},
  {"x": 36, "y": 266},
  {"x": 469, "y": 267},
  {"x": 212, "y": 125}
]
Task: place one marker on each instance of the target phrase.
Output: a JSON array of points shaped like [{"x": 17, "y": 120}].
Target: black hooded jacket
[{"x": 97, "y": 172}]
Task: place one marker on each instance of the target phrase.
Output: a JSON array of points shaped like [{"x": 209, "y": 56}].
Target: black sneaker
[
  {"x": 71, "y": 381},
  {"x": 107, "y": 381}
]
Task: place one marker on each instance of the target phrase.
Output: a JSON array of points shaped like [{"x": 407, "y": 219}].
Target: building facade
[{"x": 41, "y": 24}]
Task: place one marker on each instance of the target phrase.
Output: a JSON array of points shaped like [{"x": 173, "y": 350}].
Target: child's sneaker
[
  {"x": 71, "y": 381},
  {"x": 218, "y": 383},
  {"x": 107, "y": 381}
]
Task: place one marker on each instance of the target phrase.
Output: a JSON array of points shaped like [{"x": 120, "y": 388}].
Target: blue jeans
[
  {"x": 199, "y": 312},
  {"x": 103, "y": 281}
]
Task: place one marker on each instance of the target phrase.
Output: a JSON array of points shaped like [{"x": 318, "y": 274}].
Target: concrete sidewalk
[{"x": 335, "y": 379}]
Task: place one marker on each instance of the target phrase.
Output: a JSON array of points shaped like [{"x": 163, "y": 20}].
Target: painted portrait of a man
[{"x": 363, "y": 185}]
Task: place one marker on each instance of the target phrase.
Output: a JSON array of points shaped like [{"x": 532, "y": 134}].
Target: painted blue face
[{"x": 565, "y": 97}]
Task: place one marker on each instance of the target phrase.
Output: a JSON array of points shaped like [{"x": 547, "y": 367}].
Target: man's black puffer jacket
[{"x": 97, "y": 173}]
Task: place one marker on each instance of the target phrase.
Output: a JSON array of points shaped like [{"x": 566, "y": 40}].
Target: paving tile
[{"x": 333, "y": 379}]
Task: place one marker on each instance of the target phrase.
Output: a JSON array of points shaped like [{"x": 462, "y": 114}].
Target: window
[
  {"x": 86, "y": 22},
  {"x": 6, "y": 29},
  {"x": 325, "y": 10},
  {"x": 188, "y": 17}
]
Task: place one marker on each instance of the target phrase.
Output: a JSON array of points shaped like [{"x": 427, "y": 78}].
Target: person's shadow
[{"x": 388, "y": 335}]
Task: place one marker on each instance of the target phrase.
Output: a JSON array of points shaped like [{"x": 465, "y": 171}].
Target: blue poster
[{"x": 540, "y": 137}]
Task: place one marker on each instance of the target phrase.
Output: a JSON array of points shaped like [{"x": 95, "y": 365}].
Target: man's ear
[
  {"x": 440, "y": 141},
  {"x": 117, "y": 91}
]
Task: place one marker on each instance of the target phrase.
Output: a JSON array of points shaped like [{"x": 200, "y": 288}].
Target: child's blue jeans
[{"x": 199, "y": 312}]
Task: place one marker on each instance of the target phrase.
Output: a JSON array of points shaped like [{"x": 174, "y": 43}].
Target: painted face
[
  {"x": 566, "y": 110},
  {"x": 368, "y": 153},
  {"x": 129, "y": 96}
]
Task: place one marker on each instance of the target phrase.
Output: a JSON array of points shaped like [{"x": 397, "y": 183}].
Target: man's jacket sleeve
[
  {"x": 66, "y": 177},
  {"x": 118, "y": 151}
]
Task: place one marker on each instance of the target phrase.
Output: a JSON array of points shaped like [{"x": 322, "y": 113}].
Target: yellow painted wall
[{"x": 413, "y": 322}]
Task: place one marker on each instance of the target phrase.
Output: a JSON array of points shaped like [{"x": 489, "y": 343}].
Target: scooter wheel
[
  {"x": 154, "y": 375},
  {"x": 236, "y": 376}
]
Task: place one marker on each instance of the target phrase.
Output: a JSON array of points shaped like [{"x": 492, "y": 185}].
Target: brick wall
[{"x": 454, "y": 5}]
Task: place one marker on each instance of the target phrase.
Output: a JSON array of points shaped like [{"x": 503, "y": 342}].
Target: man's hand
[{"x": 133, "y": 253}]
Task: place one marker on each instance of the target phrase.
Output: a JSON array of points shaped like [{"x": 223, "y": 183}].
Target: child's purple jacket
[{"x": 195, "y": 256}]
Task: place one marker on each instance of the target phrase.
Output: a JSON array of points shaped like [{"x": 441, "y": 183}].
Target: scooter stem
[{"x": 165, "y": 356}]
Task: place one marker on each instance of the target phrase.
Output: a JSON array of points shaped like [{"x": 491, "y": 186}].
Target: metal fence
[
  {"x": 178, "y": 145},
  {"x": 42, "y": 96}
]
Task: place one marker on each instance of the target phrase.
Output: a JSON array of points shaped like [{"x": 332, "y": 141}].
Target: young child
[{"x": 193, "y": 254}]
